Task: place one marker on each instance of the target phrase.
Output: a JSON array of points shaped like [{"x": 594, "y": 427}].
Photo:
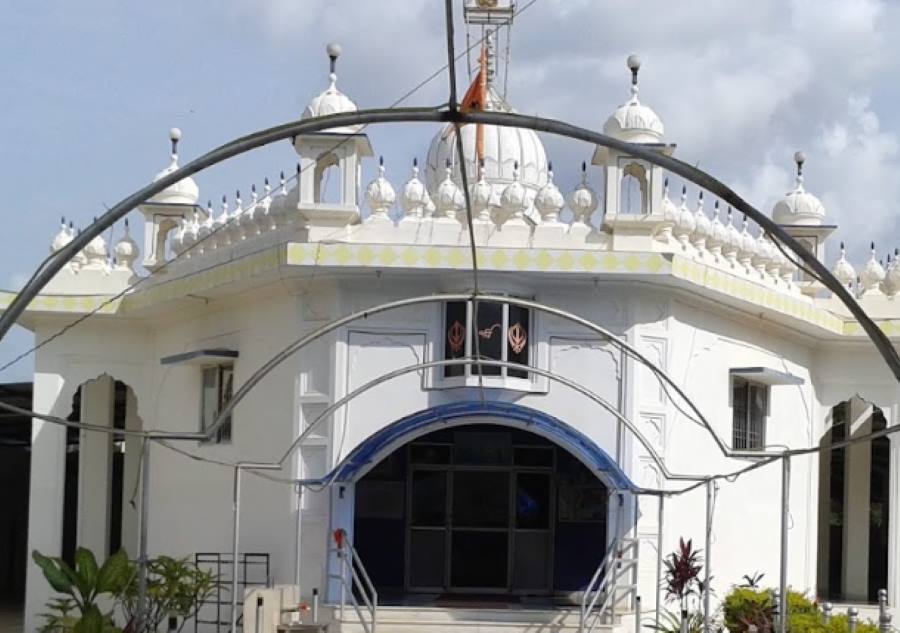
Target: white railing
[{"x": 354, "y": 579}]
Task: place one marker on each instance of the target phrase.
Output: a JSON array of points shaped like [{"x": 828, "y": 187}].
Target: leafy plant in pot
[{"x": 175, "y": 589}]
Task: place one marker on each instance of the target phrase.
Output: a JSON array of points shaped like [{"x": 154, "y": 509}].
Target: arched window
[
  {"x": 328, "y": 179},
  {"x": 854, "y": 505},
  {"x": 633, "y": 190}
]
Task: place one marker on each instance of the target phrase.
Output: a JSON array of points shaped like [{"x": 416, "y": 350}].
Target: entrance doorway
[{"x": 480, "y": 510}]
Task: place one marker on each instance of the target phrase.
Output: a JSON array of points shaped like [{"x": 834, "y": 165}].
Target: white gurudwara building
[{"x": 464, "y": 488}]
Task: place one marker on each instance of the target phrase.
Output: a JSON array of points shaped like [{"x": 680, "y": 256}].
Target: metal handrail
[
  {"x": 604, "y": 583},
  {"x": 598, "y": 583},
  {"x": 354, "y": 577}
]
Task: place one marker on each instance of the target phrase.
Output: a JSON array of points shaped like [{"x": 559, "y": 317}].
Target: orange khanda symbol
[
  {"x": 517, "y": 338},
  {"x": 456, "y": 337}
]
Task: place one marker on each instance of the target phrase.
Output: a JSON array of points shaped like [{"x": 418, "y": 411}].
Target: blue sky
[{"x": 90, "y": 90}]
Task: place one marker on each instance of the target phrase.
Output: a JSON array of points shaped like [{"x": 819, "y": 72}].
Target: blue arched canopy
[{"x": 386, "y": 440}]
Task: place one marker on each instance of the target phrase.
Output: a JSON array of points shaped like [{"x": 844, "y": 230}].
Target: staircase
[{"x": 469, "y": 620}]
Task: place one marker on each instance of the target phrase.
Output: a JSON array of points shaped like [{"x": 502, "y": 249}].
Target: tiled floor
[{"x": 11, "y": 620}]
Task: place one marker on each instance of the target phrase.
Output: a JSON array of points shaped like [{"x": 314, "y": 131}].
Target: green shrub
[{"x": 744, "y": 606}]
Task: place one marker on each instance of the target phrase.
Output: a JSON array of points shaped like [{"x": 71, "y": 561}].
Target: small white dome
[
  {"x": 685, "y": 222},
  {"x": 503, "y": 148},
  {"x": 184, "y": 191},
  {"x": 62, "y": 238},
  {"x": 799, "y": 207},
  {"x": 843, "y": 269},
  {"x": 892, "y": 274},
  {"x": 331, "y": 101},
  {"x": 583, "y": 201},
  {"x": 380, "y": 193},
  {"x": 514, "y": 199},
  {"x": 734, "y": 236},
  {"x": 633, "y": 121},
  {"x": 748, "y": 242},
  {"x": 482, "y": 198},
  {"x": 414, "y": 199},
  {"x": 549, "y": 201},
  {"x": 718, "y": 232},
  {"x": 126, "y": 250},
  {"x": 95, "y": 252},
  {"x": 449, "y": 198},
  {"x": 669, "y": 210},
  {"x": 702, "y": 225},
  {"x": 873, "y": 274}
]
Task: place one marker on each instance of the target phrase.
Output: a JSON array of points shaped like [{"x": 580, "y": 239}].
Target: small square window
[
  {"x": 218, "y": 386},
  {"x": 499, "y": 332},
  {"x": 750, "y": 406}
]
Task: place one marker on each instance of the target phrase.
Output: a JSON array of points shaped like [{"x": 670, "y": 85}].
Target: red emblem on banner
[
  {"x": 518, "y": 337},
  {"x": 456, "y": 337},
  {"x": 488, "y": 332}
]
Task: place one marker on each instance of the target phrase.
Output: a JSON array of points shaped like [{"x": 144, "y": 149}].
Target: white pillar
[
  {"x": 94, "y": 470},
  {"x": 857, "y": 472},
  {"x": 130, "y": 475},
  {"x": 48, "y": 477},
  {"x": 893, "y": 521}
]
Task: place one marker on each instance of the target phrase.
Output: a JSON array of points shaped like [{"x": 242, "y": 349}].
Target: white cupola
[
  {"x": 333, "y": 154},
  {"x": 62, "y": 238},
  {"x": 799, "y": 207},
  {"x": 633, "y": 121},
  {"x": 380, "y": 194},
  {"x": 802, "y": 215},
  {"x": 633, "y": 193},
  {"x": 167, "y": 210},
  {"x": 332, "y": 100}
]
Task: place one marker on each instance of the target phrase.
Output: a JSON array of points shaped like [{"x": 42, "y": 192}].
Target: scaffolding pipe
[
  {"x": 143, "y": 516},
  {"x": 783, "y": 572},
  {"x": 235, "y": 533},
  {"x": 659, "y": 563},
  {"x": 710, "y": 495}
]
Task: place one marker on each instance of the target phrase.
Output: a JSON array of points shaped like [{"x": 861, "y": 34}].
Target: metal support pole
[
  {"x": 142, "y": 534},
  {"x": 707, "y": 614},
  {"x": 785, "y": 509},
  {"x": 637, "y": 614},
  {"x": 826, "y": 612},
  {"x": 884, "y": 618},
  {"x": 659, "y": 563},
  {"x": 852, "y": 619},
  {"x": 298, "y": 528},
  {"x": 236, "y": 505}
]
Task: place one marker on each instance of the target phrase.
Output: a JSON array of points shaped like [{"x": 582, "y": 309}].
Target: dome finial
[
  {"x": 334, "y": 51},
  {"x": 799, "y": 159},
  {"x": 174, "y": 136},
  {"x": 634, "y": 65}
]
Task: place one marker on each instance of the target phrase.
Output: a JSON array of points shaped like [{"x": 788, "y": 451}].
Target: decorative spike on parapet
[{"x": 380, "y": 195}]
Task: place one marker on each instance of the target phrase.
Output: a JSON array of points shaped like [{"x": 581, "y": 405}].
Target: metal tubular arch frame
[
  {"x": 55, "y": 262},
  {"x": 623, "y": 345}
]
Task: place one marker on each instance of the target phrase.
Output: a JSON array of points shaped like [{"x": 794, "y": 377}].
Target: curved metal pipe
[
  {"x": 297, "y": 345},
  {"x": 54, "y": 263},
  {"x": 382, "y": 378}
]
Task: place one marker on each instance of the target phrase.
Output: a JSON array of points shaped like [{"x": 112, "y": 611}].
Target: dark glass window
[
  {"x": 494, "y": 331},
  {"x": 517, "y": 334},
  {"x": 218, "y": 386},
  {"x": 455, "y": 327},
  {"x": 489, "y": 335},
  {"x": 750, "y": 402}
]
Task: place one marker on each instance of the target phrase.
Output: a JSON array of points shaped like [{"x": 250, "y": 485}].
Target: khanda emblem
[
  {"x": 517, "y": 338},
  {"x": 456, "y": 337}
]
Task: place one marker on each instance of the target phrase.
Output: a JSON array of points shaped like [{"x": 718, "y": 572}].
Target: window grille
[{"x": 750, "y": 404}]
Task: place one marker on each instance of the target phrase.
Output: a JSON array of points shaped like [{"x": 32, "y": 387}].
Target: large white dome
[{"x": 504, "y": 147}]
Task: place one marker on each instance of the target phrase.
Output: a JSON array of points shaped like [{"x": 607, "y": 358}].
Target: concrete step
[{"x": 467, "y": 620}]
